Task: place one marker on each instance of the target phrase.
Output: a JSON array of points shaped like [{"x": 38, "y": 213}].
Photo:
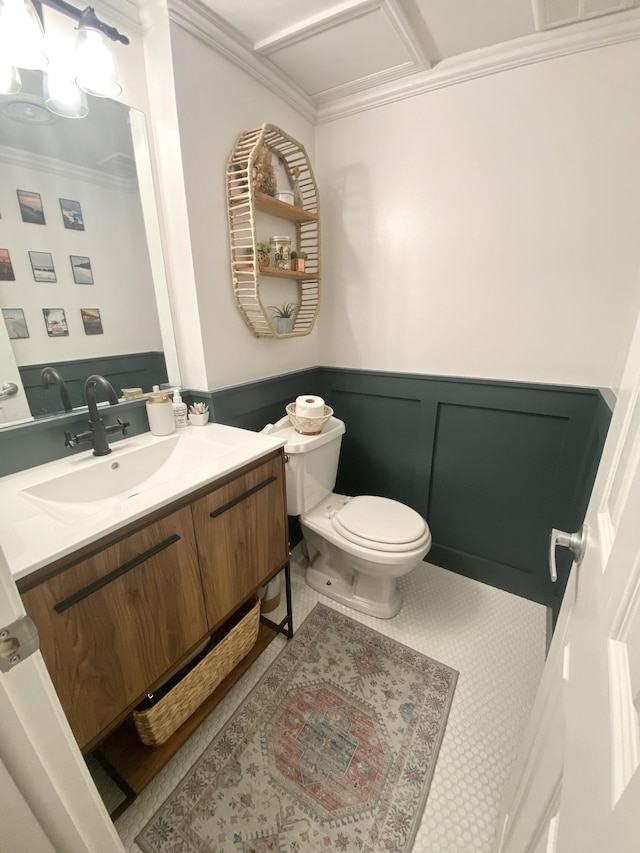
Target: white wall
[
  {"x": 115, "y": 242},
  {"x": 217, "y": 101},
  {"x": 489, "y": 229}
]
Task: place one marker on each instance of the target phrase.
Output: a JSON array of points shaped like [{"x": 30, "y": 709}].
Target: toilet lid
[{"x": 379, "y": 522}]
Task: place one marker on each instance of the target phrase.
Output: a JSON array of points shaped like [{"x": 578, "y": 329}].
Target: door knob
[
  {"x": 575, "y": 542},
  {"x": 8, "y": 389}
]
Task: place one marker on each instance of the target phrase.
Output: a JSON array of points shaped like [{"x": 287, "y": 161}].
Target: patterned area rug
[{"x": 333, "y": 750}]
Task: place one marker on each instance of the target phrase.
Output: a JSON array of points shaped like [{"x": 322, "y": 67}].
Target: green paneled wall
[{"x": 492, "y": 466}]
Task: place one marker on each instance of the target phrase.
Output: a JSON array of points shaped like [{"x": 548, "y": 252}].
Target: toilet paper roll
[{"x": 309, "y": 406}]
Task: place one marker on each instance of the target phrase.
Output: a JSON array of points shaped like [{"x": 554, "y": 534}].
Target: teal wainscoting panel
[
  {"x": 495, "y": 489},
  {"x": 256, "y": 404},
  {"x": 492, "y": 466},
  {"x": 377, "y": 427},
  {"x": 130, "y": 370}
]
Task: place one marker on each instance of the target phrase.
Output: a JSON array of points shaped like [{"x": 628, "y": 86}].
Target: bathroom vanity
[{"x": 127, "y": 563}]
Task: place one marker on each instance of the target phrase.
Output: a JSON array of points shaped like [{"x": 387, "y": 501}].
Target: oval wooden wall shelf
[{"x": 243, "y": 203}]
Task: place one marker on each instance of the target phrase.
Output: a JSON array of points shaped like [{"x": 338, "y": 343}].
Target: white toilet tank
[{"x": 312, "y": 465}]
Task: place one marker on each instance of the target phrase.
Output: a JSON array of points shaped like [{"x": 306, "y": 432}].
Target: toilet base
[{"x": 375, "y": 596}]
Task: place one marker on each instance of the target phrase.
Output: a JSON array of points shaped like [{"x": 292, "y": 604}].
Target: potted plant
[
  {"x": 263, "y": 250},
  {"x": 198, "y": 414},
  {"x": 297, "y": 260},
  {"x": 284, "y": 317}
]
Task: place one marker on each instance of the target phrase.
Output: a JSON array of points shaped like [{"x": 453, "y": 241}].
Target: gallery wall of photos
[
  {"x": 43, "y": 269},
  {"x": 75, "y": 278}
]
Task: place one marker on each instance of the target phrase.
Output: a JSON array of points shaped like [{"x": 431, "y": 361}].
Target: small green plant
[
  {"x": 198, "y": 408},
  {"x": 302, "y": 255},
  {"x": 263, "y": 247},
  {"x": 286, "y": 310}
]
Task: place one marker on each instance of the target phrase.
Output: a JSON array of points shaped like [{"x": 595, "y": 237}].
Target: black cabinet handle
[
  {"x": 81, "y": 594},
  {"x": 242, "y": 497}
]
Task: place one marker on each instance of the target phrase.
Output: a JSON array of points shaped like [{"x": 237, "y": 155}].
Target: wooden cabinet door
[
  {"x": 241, "y": 532},
  {"x": 113, "y": 624}
]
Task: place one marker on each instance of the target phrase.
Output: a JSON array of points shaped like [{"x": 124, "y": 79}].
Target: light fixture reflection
[
  {"x": 96, "y": 70},
  {"x": 21, "y": 35},
  {"x": 62, "y": 96},
  {"x": 10, "y": 82}
]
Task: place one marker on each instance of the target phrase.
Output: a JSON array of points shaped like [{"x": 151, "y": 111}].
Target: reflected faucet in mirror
[
  {"x": 97, "y": 432},
  {"x": 50, "y": 376}
]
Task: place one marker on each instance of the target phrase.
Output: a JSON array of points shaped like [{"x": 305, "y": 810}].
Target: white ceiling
[{"x": 331, "y": 53}]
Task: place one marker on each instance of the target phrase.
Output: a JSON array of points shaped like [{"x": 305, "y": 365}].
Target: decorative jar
[{"x": 281, "y": 252}]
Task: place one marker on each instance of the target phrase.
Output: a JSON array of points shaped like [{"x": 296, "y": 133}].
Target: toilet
[{"x": 358, "y": 547}]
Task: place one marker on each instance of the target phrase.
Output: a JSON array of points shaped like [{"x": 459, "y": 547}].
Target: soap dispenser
[
  {"x": 179, "y": 409},
  {"x": 160, "y": 413}
]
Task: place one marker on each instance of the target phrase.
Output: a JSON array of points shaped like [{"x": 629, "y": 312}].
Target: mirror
[{"x": 81, "y": 272}]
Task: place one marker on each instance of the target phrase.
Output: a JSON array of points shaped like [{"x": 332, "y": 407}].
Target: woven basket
[
  {"x": 308, "y": 426},
  {"x": 157, "y": 724}
]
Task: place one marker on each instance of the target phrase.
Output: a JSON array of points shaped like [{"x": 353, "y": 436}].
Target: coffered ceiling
[{"x": 332, "y": 57}]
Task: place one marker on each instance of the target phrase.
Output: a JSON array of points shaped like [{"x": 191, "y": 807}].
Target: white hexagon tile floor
[{"x": 497, "y": 643}]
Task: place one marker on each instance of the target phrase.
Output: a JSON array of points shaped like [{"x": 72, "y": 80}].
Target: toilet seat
[{"x": 380, "y": 524}]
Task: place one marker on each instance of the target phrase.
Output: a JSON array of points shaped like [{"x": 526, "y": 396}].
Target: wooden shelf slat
[
  {"x": 268, "y": 204},
  {"x": 298, "y": 276}
]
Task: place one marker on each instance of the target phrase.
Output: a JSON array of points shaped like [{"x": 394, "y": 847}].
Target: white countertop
[{"x": 36, "y": 530}]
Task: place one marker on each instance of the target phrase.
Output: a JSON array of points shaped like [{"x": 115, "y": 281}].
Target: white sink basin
[
  {"x": 107, "y": 476},
  {"x": 54, "y": 509},
  {"x": 129, "y": 468}
]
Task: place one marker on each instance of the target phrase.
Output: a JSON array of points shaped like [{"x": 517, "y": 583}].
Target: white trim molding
[
  {"x": 526, "y": 50},
  {"x": 53, "y": 166},
  {"x": 334, "y": 104},
  {"x": 205, "y": 25}
]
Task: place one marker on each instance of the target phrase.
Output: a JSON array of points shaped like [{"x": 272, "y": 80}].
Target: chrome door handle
[
  {"x": 575, "y": 542},
  {"x": 8, "y": 390}
]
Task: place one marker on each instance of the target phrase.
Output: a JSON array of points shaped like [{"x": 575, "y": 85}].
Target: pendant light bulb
[
  {"x": 97, "y": 72},
  {"x": 61, "y": 94},
  {"x": 21, "y": 35}
]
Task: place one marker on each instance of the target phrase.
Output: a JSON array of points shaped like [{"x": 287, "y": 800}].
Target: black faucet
[
  {"x": 49, "y": 377},
  {"x": 98, "y": 432}
]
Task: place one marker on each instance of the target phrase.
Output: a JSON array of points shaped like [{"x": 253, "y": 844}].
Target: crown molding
[
  {"x": 41, "y": 163},
  {"x": 527, "y": 50},
  {"x": 205, "y": 25},
  {"x": 210, "y": 28}
]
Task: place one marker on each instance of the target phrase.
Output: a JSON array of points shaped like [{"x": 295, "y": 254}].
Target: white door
[
  {"x": 50, "y": 793},
  {"x": 576, "y": 787}
]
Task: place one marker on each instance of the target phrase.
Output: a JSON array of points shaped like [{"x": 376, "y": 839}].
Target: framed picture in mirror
[
  {"x": 81, "y": 266},
  {"x": 92, "y": 321},
  {"x": 56, "y": 322},
  {"x": 42, "y": 266},
  {"x": 6, "y": 267},
  {"x": 15, "y": 322},
  {"x": 31, "y": 207},
  {"x": 71, "y": 214}
]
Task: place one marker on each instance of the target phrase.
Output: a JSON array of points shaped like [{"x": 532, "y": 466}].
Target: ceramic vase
[{"x": 198, "y": 420}]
